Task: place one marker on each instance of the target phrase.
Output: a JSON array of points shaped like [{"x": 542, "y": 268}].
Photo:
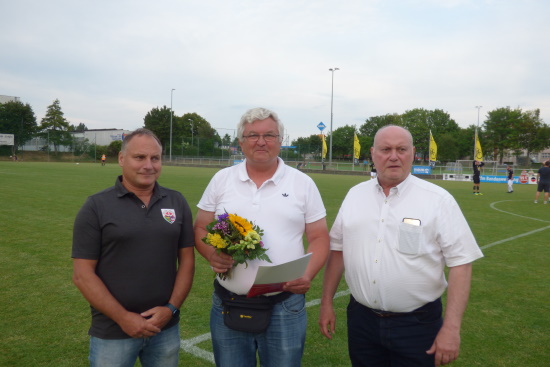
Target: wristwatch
[{"x": 175, "y": 311}]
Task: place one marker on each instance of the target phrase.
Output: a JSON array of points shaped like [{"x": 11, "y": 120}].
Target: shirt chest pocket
[{"x": 410, "y": 239}]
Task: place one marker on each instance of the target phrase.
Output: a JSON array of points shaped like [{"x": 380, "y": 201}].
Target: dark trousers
[{"x": 392, "y": 340}]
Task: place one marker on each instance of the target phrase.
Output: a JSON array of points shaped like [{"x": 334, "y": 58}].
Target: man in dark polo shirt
[{"x": 133, "y": 260}]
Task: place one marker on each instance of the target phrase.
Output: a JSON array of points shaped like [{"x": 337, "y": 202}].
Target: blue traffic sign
[{"x": 321, "y": 126}]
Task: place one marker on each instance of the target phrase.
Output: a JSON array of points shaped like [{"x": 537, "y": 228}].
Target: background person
[
  {"x": 103, "y": 158},
  {"x": 543, "y": 178},
  {"x": 133, "y": 261},
  {"x": 510, "y": 175},
  {"x": 477, "y": 175},
  {"x": 372, "y": 171},
  {"x": 394, "y": 255},
  {"x": 285, "y": 203}
]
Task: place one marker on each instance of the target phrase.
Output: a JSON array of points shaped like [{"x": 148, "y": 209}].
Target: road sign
[{"x": 321, "y": 126}]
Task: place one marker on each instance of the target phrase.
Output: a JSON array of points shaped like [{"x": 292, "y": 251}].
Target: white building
[
  {"x": 96, "y": 136},
  {"x": 5, "y": 99}
]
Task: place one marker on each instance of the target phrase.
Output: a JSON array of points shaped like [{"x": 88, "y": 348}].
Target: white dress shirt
[{"x": 395, "y": 248}]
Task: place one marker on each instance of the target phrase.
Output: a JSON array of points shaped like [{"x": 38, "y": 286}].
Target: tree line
[{"x": 503, "y": 130}]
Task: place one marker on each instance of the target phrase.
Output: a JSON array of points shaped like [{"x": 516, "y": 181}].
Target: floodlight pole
[
  {"x": 332, "y": 70},
  {"x": 171, "y": 95}
]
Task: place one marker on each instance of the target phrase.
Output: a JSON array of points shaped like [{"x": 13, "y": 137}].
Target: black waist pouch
[{"x": 251, "y": 315}]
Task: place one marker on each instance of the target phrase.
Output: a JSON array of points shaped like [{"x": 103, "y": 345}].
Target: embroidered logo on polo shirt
[
  {"x": 169, "y": 215},
  {"x": 285, "y": 195}
]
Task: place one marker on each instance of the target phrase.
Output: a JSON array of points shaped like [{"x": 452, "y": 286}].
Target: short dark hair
[{"x": 139, "y": 132}]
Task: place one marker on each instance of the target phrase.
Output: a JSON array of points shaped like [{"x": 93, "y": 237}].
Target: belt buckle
[{"x": 381, "y": 313}]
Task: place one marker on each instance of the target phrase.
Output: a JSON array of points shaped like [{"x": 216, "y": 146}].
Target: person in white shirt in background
[{"x": 510, "y": 177}]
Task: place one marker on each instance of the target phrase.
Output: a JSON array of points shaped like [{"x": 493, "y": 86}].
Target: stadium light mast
[
  {"x": 478, "y": 108},
  {"x": 171, "y": 95},
  {"x": 332, "y": 70}
]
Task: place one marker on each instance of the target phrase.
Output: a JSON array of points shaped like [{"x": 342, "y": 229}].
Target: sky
[{"x": 111, "y": 62}]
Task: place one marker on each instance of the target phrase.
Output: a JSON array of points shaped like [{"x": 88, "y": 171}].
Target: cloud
[{"x": 109, "y": 63}]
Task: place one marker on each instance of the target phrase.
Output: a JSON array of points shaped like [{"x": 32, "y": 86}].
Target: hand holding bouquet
[{"x": 237, "y": 237}]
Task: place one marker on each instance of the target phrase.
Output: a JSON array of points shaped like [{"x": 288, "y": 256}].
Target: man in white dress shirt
[{"x": 394, "y": 254}]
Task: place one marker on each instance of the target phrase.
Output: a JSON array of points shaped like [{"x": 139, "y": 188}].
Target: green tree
[
  {"x": 17, "y": 119},
  {"x": 80, "y": 128},
  {"x": 499, "y": 131},
  {"x": 114, "y": 148},
  {"x": 445, "y": 131},
  {"x": 309, "y": 145},
  {"x": 530, "y": 134},
  {"x": 226, "y": 140},
  {"x": 448, "y": 147},
  {"x": 55, "y": 127},
  {"x": 208, "y": 139},
  {"x": 465, "y": 142},
  {"x": 342, "y": 142},
  {"x": 158, "y": 121},
  {"x": 190, "y": 132},
  {"x": 417, "y": 122},
  {"x": 373, "y": 124},
  {"x": 366, "y": 143}
]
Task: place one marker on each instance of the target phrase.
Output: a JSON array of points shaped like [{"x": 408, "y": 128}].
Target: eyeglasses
[{"x": 267, "y": 137}]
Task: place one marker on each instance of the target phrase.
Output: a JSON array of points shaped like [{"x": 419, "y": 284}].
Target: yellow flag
[
  {"x": 356, "y": 147},
  {"x": 324, "y": 151},
  {"x": 433, "y": 148},
  {"x": 478, "y": 152}
]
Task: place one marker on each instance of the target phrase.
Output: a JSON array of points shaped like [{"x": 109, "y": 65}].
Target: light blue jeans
[
  {"x": 161, "y": 350},
  {"x": 282, "y": 344}
]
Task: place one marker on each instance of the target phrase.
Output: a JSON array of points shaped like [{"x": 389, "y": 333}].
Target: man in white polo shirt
[
  {"x": 285, "y": 204},
  {"x": 394, "y": 254}
]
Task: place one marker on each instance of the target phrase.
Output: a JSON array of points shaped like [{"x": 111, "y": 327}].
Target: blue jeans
[
  {"x": 282, "y": 344},
  {"x": 396, "y": 341},
  {"x": 161, "y": 350}
]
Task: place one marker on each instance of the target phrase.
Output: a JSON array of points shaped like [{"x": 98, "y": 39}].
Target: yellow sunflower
[{"x": 242, "y": 225}]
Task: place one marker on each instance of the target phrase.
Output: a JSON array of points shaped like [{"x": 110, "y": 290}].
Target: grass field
[{"x": 44, "y": 319}]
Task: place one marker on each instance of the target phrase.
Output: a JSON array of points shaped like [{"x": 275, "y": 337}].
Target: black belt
[
  {"x": 224, "y": 293},
  {"x": 381, "y": 313},
  {"x": 428, "y": 307}
]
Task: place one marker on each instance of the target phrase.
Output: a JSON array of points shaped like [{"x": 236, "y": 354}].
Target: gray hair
[
  {"x": 256, "y": 114},
  {"x": 139, "y": 132}
]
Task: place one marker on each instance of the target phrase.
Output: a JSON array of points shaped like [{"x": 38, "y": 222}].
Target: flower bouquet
[{"x": 237, "y": 237}]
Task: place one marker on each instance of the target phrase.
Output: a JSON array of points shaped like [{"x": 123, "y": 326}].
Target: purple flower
[
  {"x": 223, "y": 217},
  {"x": 222, "y": 227}
]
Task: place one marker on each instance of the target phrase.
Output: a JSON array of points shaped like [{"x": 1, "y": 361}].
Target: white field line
[
  {"x": 493, "y": 206},
  {"x": 189, "y": 345},
  {"x": 515, "y": 237},
  {"x": 517, "y": 215}
]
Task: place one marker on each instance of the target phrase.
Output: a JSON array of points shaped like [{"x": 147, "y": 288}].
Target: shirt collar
[
  {"x": 397, "y": 190},
  {"x": 122, "y": 191},
  {"x": 276, "y": 178}
]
